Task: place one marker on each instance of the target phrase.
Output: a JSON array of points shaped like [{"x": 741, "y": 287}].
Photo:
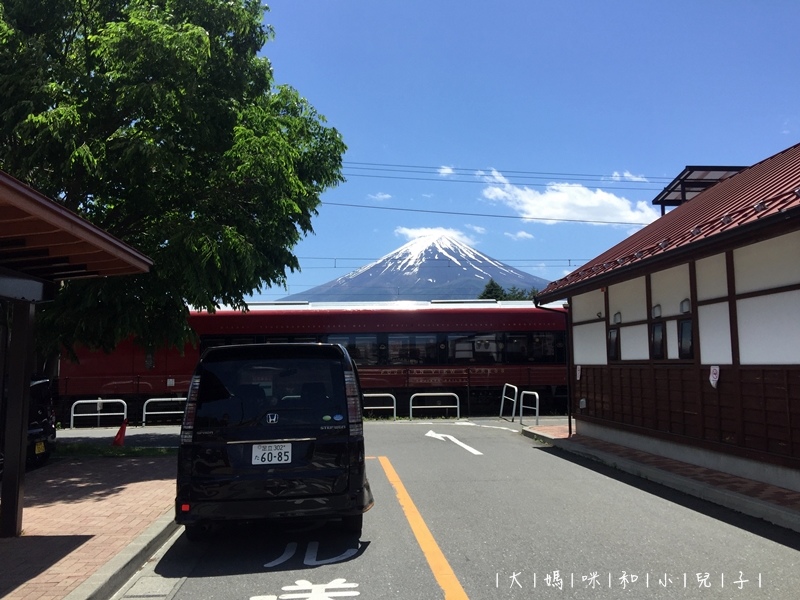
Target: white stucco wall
[
  {"x": 672, "y": 339},
  {"x": 768, "y": 264},
  {"x": 586, "y": 306},
  {"x": 589, "y": 344},
  {"x": 668, "y": 288},
  {"x": 628, "y": 299},
  {"x": 634, "y": 343},
  {"x": 712, "y": 279},
  {"x": 768, "y": 325},
  {"x": 715, "y": 334},
  {"x": 769, "y": 329}
]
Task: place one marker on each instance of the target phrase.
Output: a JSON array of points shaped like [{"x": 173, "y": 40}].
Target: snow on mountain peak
[{"x": 425, "y": 268}]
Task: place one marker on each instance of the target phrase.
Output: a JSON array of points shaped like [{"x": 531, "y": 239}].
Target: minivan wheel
[{"x": 353, "y": 523}]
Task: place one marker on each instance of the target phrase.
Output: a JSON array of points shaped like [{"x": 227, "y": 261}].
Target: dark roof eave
[{"x": 785, "y": 222}]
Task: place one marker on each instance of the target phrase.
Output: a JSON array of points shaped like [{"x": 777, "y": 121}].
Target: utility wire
[
  {"x": 478, "y": 181},
  {"x": 487, "y": 215},
  {"x": 418, "y": 169}
]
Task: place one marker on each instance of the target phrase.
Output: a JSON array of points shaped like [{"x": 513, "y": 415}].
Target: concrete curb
[
  {"x": 747, "y": 505},
  {"x": 109, "y": 578}
]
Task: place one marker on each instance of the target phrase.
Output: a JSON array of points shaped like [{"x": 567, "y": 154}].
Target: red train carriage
[{"x": 401, "y": 348}]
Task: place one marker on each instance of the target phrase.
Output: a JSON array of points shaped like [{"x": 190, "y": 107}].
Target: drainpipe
[{"x": 566, "y": 315}]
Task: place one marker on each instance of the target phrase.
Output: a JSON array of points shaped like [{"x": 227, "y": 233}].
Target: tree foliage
[
  {"x": 158, "y": 121},
  {"x": 492, "y": 291},
  {"x": 495, "y": 291}
]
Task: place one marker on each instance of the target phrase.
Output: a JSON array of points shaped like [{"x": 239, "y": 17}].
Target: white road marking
[{"x": 444, "y": 436}]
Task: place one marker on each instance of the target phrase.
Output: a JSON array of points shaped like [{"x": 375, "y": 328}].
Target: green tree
[
  {"x": 515, "y": 293},
  {"x": 158, "y": 121},
  {"x": 494, "y": 290}
]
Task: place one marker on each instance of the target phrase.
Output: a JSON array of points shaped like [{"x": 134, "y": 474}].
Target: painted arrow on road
[{"x": 444, "y": 436}]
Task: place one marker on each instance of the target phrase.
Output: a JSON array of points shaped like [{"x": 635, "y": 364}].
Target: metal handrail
[
  {"x": 393, "y": 407},
  {"x": 512, "y": 398},
  {"x": 522, "y": 405},
  {"x": 162, "y": 412},
  {"x": 457, "y": 405},
  {"x": 99, "y": 402}
]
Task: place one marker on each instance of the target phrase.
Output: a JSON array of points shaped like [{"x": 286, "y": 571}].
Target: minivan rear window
[{"x": 244, "y": 392}]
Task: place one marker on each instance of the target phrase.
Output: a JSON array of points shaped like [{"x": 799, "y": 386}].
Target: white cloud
[
  {"x": 380, "y": 196},
  {"x": 477, "y": 229},
  {"x": 567, "y": 202},
  {"x": 413, "y": 233},
  {"x": 520, "y": 235},
  {"x": 627, "y": 176},
  {"x": 446, "y": 171}
]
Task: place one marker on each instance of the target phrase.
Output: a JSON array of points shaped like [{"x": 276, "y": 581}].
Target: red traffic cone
[{"x": 119, "y": 439}]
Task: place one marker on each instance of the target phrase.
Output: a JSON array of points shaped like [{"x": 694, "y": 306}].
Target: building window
[
  {"x": 657, "y": 341},
  {"x": 613, "y": 344},
  {"x": 685, "y": 345}
]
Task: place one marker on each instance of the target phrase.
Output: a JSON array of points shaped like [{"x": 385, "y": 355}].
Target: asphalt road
[{"x": 475, "y": 510}]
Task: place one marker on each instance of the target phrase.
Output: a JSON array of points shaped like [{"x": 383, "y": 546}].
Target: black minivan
[{"x": 272, "y": 431}]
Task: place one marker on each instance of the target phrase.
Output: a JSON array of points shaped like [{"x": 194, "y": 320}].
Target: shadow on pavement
[
  {"x": 24, "y": 558},
  {"x": 80, "y": 478},
  {"x": 754, "y": 525},
  {"x": 259, "y": 548}
]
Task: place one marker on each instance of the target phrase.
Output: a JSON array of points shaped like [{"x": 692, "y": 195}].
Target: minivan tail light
[
  {"x": 353, "y": 403},
  {"x": 187, "y": 429}
]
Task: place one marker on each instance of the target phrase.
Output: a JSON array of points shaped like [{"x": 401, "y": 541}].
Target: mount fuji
[{"x": 424, "y": 269}]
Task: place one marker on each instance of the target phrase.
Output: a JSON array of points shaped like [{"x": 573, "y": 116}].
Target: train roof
[
  {"x": 397, "y": 305},
  {"x": 284, "y": 318}
]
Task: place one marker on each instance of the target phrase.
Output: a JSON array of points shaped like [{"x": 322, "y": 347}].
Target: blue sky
[{"x": 481, "y": 119}]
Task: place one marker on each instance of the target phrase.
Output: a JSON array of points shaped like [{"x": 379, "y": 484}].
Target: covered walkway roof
[{"x": 42, "y": 241}]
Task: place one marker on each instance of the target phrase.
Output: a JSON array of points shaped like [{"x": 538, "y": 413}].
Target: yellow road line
[{"x": 438, "y": 563}]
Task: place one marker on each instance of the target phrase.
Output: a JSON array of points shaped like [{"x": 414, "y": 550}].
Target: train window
[
  {"x": 546, "y": 346},
  {"x": 413, "y": 349},
  {"x": 483, "y": 348},
  {"x": 539, "y": 346},
  {"x": 517, "y": 347},
  {"x": 362, "y": 348},
  {"x": 428, "y": 347},
  {"x": 400, "y": 351}
]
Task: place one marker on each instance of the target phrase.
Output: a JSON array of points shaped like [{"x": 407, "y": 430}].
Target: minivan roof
[{"x": 272, "y": 351}]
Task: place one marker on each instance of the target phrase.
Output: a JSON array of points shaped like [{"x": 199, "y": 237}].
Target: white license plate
[{"x": 272, "y": 454}]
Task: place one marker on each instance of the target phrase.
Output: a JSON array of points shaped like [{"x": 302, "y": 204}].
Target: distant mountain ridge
[{"x": 429, "y": 268}]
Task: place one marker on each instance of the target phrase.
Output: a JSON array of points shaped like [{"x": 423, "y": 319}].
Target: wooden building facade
[{"x": 685, "y": 337}]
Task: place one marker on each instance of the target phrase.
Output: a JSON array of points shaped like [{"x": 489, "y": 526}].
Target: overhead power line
[
  {"x": 514, "y": 182},
  {"x": 475, "y": 177},
  {"x": 486, "y": 215}
]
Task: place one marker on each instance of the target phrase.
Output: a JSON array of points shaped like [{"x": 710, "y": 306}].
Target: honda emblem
[{"x": 272, "y": 418}]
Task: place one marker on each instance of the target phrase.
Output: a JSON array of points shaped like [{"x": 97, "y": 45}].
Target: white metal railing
[
  {"x": 393, "y": 407},
  {"x": 522, "y": 405},
  {"x": 160, "y": 412},
  {"x": 511, "y": 398},
  {"x": 99, "y": 403},
  {"x": 457, "y": 405}
]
